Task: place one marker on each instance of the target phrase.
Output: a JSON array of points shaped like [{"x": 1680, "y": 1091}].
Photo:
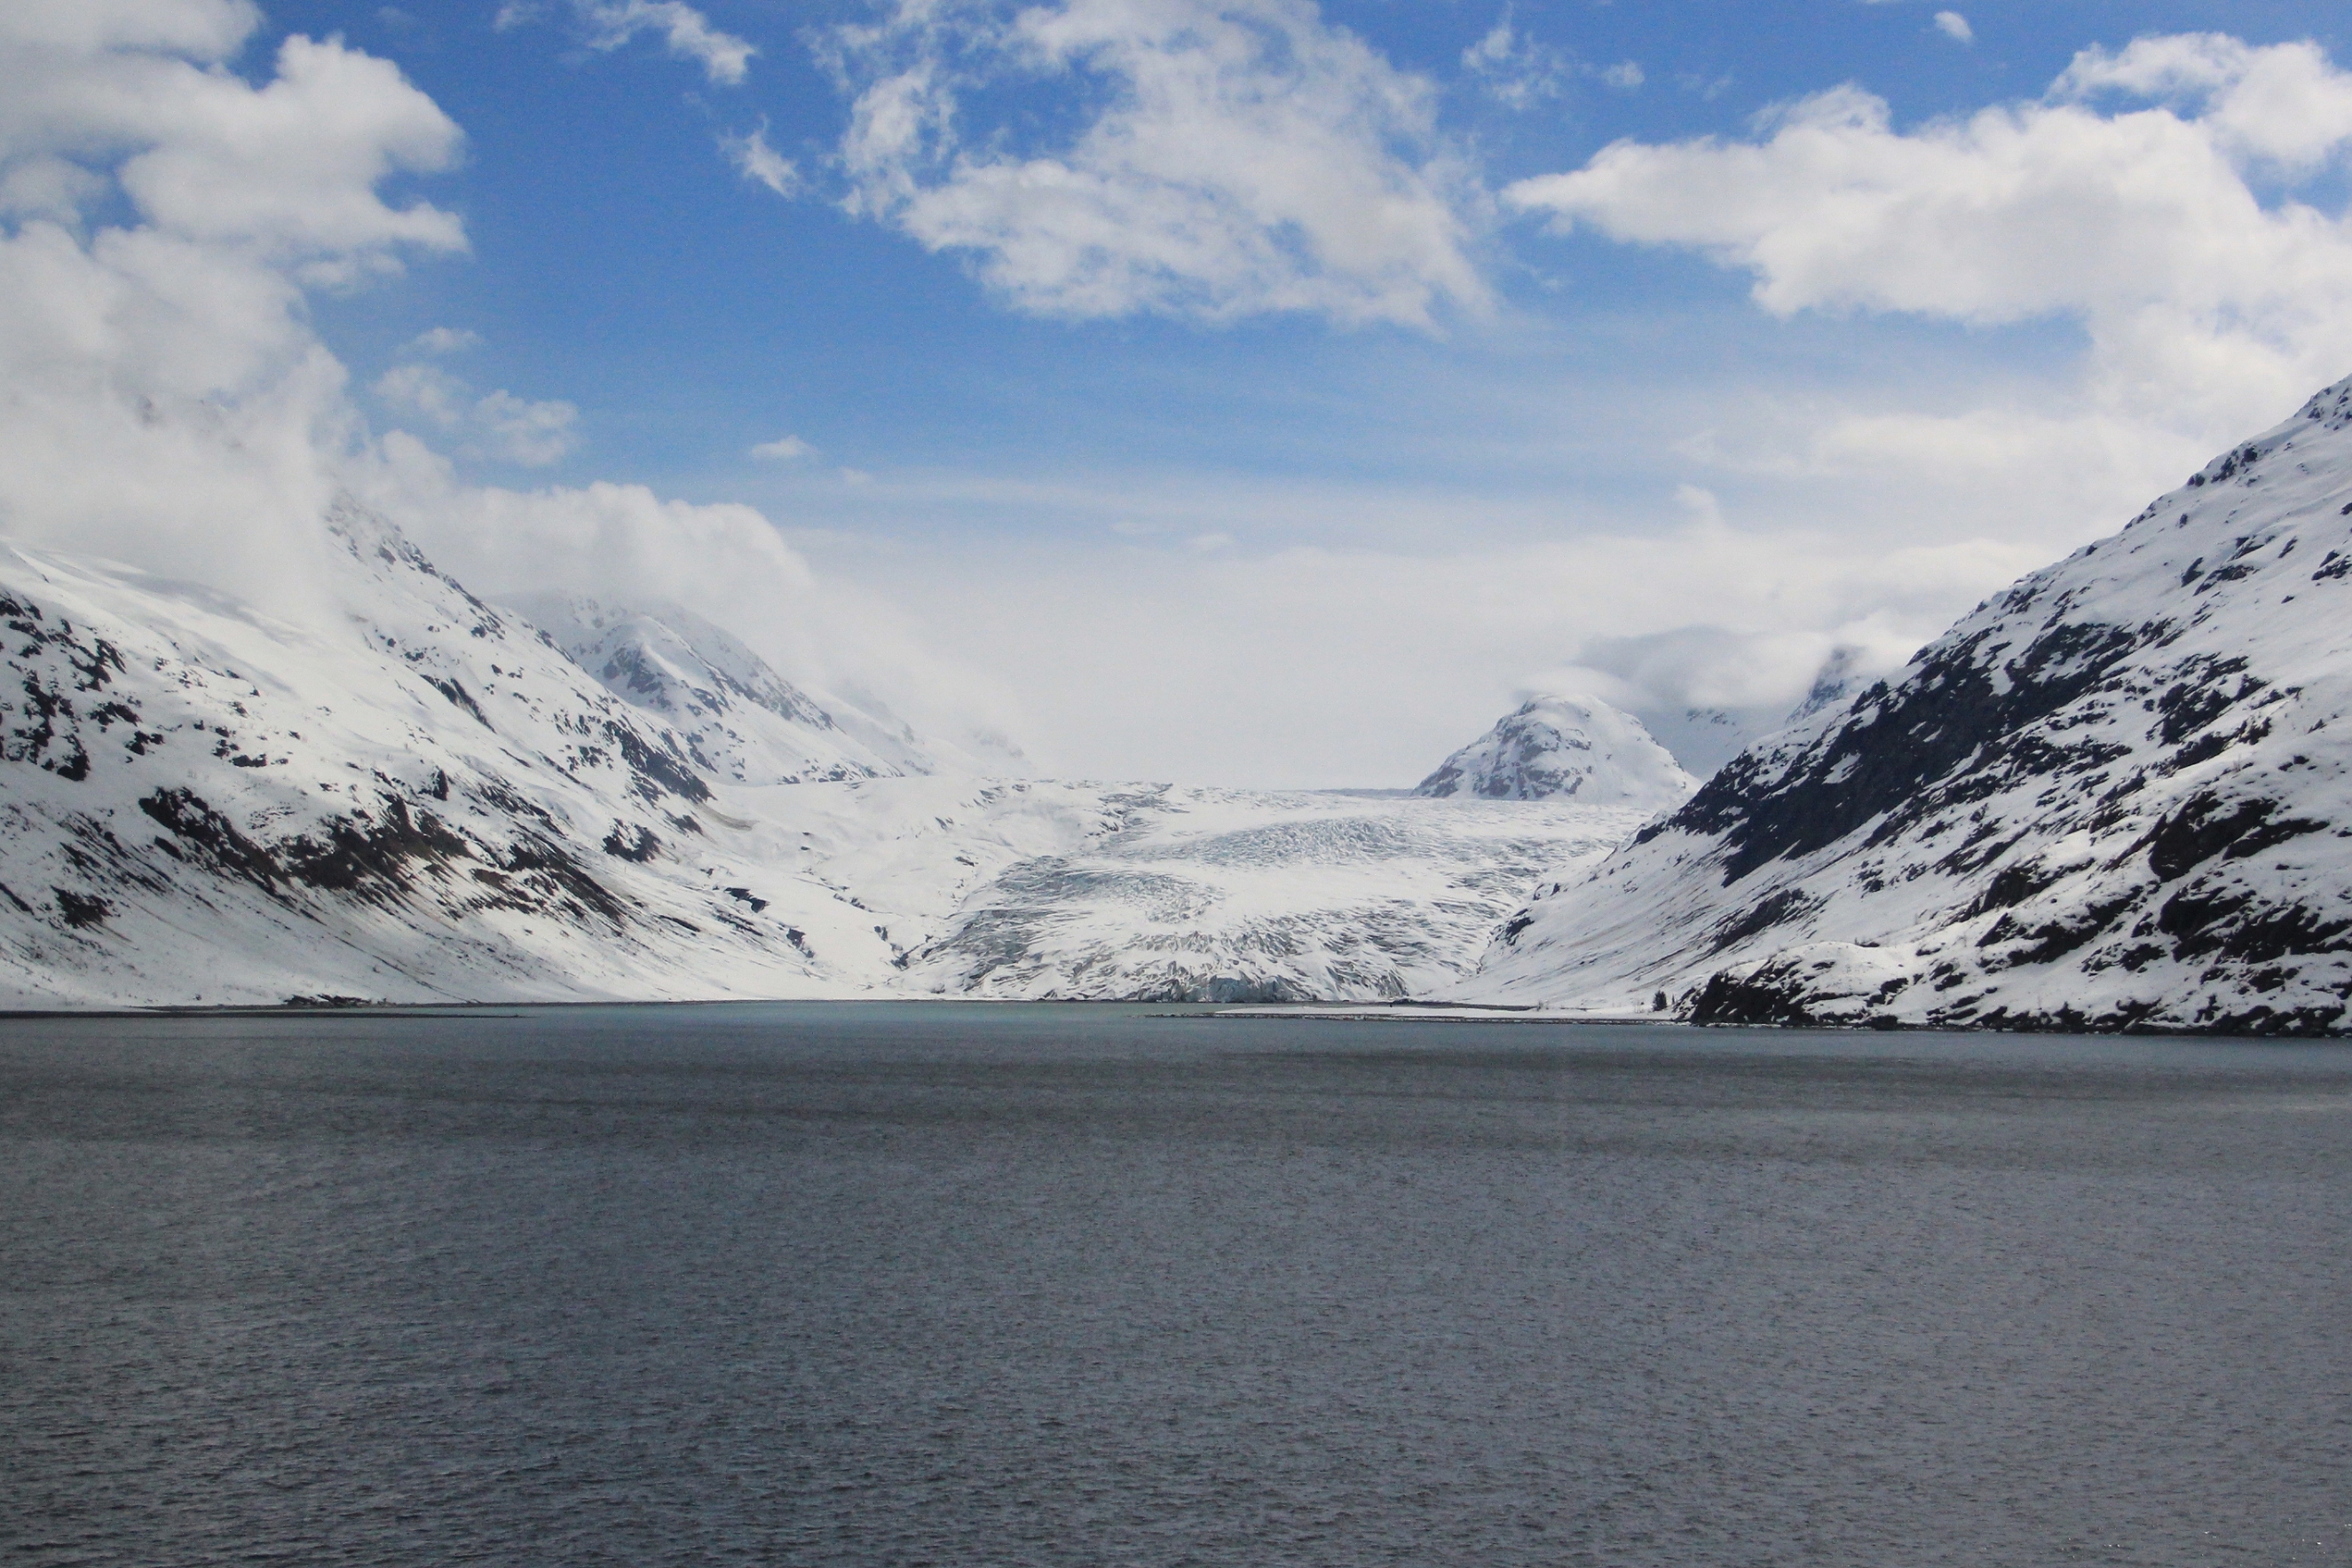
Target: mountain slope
[
  {"x": 1564, "y": 748},
  {"x": 2118, "y": 795},
  {"x": 423, "y": 801},
  {"x": 737, "y": 717}
]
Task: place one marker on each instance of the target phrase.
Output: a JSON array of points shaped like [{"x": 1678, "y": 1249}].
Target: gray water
[{"x": 819, "y": 1284}]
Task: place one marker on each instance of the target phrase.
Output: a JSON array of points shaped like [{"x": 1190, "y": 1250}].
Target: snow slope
[
  {"x": 420, "y": 797},
  {"x": 1565, "y": 748},
  {"x": 738, "y": 718},
  {"x": 2118, "y": 795},
  {"x": 428, "y": 801}
]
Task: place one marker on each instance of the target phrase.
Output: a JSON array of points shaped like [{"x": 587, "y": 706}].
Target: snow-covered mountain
[
  {"x": 2117, "y": 795},
  {"x": 418, "y": 795},
  {"x": 1835, "y": 685},
  {"x": 1564, "y": 748},
  {"x": 424, "y": 801},
  {"x": 738, "y": 718}
]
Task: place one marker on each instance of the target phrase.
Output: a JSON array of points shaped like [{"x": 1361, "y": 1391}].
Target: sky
[{"x": 1251, "y": 393}]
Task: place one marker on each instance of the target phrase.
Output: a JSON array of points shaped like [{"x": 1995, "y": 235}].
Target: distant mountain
[
  {"x": 2118, "y": 796},
  {"x": 1564, "y": 748},
  {"x": 1703, "y": 739},
  {"x": 738, "y": 718},
  {"x": 1839, "y": 681}
]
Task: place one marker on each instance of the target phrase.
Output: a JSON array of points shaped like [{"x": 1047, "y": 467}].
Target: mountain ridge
[{"x": 2116, "y": 796}]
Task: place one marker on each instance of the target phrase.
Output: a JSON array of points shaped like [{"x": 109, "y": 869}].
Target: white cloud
[
  {"x": 1435, "y": 644},
  {"x": 595, "y": 538},
  {"x": 2284, "y": 103},
  {"x": 1954, "y": 25},
  {"x": 609, "y": 24},
  {"x": 783, "y": 449},
  {"x": 444, "y": 340},
  {"x": 200, "y": 29},
  {"x": 162, "y": 399},
  {"x": 2208, "y": 307},
  {"x": 436, "y": 394},
  {"x": 1515, "y": 70},
  {"x": 497, "y": 425},
  {"x": 755, "y": 160},
  {"x": 1519, "y": 71},
  {"x": 1236, "y": 157},
  {"x": 290, "y": 167},
  {"x": 50, "y": 188},
  {"x": 531, "y": 433}
]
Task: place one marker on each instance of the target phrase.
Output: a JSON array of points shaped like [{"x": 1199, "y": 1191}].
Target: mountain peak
[{"x": 1562, "y": 748}]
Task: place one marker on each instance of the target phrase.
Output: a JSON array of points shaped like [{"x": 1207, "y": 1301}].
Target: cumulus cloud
[
  {"x": 1955, "y": 26},
  {"x": 2135, "y": 198},
  {"x": 444, "y": 340},
  {"x": 162, "y": 399},
  {"x": 1235, "y": 157},
  {"x": 289, "y": 168},
  {"x": 625, "y": 544},
  {"x": 584, "y": 540},
  {"x": 165, "y": 401},
  {"x": 2286, "y": 103},
  {"x": 609, "y": 24}
]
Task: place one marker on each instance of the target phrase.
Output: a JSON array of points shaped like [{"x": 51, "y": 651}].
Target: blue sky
[
  {"x": 621, "y": 263},
  {"x": 1669, "y": 430}
]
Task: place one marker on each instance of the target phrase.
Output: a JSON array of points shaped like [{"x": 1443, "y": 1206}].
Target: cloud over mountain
[{"x": 165, "y": 399}]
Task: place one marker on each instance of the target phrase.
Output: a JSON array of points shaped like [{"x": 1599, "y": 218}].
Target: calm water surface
[{"x": 818, "y": 1284}]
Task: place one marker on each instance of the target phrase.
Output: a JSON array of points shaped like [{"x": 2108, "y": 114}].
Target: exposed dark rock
[
  {"x": 214, "y": 837},
  {"x": 368, "y": 857},
  {"x": 657, "y": 767},
  {"x": 1884, "y": 762},
  {"x": 80, "y": 911},
  {"x": 628, "y": 843},
  {"x": 455, "y": 690}
]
